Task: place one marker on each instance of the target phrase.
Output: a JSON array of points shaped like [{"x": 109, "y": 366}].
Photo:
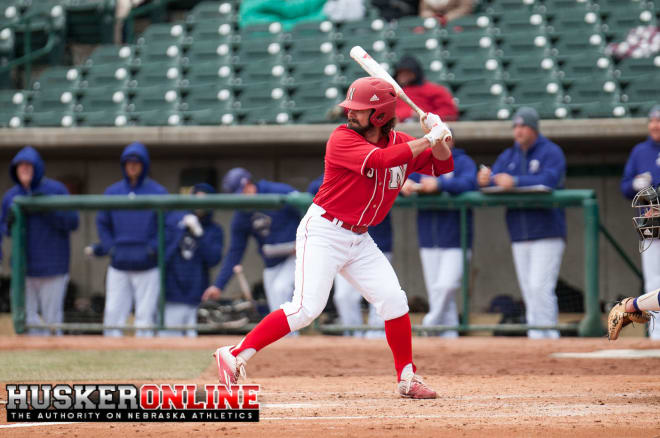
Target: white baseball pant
[
  {"x": 122, "y": 289},
  {"x": 443, "y": 273},
  {"x": 323, "y": 250},
  {"x": 279, "y": 282},
  {"x": 651, "y": 271},
  {"x": 537, "y": 265},
  {"x": 44, "y": 302},
  {"x": 348, "y": 302},
  {"x": 179, "y": 314}
]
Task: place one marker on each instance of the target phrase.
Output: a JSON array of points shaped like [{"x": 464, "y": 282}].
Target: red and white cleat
[
  {"x": 412, "y": 386},
  {"x": 229, "y": 367}
]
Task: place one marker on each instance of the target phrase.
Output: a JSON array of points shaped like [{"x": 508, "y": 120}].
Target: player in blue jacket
[
  {"x": 194, "y": 246},
  {"x": 643, "y": 170},
  {"x": 275, "y": 232},
  {"x": 438, "y": 232},
  {"x": 537, "y": 235},
  {"x": 47, "y": 246},
  {"x": 346, "y": 298},
  {"x": 130, "y": 237}
]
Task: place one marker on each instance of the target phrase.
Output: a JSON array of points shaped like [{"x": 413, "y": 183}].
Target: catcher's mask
[{"x": 647, "y": 216}]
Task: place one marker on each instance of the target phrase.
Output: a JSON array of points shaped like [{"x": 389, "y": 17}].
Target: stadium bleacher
[{"x": 204, "y": 69}]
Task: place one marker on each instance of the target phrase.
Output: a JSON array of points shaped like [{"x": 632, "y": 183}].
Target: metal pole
[
  {"x": 466, "y": 270},
  {"x": 623, "y": 256},
  {"x": 591, "y": 325},
  {"x": 161, "y": 268},
  {"x": 18, "y": 270}
]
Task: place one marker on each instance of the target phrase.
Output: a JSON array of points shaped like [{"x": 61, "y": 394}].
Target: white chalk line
[
  {"x": 11, "y": 426},
  {"x": 609, "y": 354}
]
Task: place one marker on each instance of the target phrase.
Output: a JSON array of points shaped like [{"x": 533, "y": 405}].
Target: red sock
[
  {"x": 399, "y": 337},
  {"x": 273, "y": 327}
]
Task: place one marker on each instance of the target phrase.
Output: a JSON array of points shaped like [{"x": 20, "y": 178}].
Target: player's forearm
[
  {"x": 420, "y": 145},
  {"x": 233, "y": 258},
  {"x": 649, "y": 301},
  {"x": 395, "y": 155}
]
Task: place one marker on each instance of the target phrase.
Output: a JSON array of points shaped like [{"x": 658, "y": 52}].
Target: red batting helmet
[{"x": 372, "y": 93}]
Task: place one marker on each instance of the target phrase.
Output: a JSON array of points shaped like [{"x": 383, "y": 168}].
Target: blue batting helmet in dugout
[
  {"x": 203, "y": 187},
  {"x": 235, "y": 180}
]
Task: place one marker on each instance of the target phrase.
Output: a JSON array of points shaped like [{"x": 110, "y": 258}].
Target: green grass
[{"x": 91, "y": 365}]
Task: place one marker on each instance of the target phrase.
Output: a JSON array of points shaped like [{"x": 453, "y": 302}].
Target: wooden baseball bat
[
  {"x": 377, "y": 71},
  {"x": 243, "y": 283}
]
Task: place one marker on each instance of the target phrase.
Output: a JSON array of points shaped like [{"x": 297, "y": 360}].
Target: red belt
[{"x": 358, "y": 229}]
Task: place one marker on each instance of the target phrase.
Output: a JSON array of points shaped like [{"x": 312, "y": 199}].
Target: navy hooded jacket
[
  {"x": 442, "y": 228},
  {"x": 190, "y": 258},
  {"x": 543, "y": 163},
  {"x": 130, "y": 236},
  {"x": 47, "y": 233},
  {"x": 645, "y": 157},
  {"x": 381, "y": 233},
  {"x": 272, "y": 229}
]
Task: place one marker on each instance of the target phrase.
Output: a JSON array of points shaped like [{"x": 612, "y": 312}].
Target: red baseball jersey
[{"x": 363, "y": 179}]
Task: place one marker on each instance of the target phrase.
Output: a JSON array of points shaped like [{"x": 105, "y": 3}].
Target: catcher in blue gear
[{"x": 647, "y": 224}]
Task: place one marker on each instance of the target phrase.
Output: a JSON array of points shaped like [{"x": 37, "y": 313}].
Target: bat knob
[{"x": 238, "y": 269}]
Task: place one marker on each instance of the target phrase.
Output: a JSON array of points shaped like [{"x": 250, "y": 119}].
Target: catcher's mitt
[{"x": 619, "y": 318}]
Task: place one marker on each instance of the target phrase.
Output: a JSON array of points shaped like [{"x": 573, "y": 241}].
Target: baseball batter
[
  {"x": 647, "y": 223},
  {"x": 366, "y": 164}
]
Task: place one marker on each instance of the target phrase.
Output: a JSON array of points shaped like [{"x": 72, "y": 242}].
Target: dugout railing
[{"x": 590, "y": 325}]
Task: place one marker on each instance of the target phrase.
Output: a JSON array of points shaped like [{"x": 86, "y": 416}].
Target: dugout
[{"x": 596, "y": 150}]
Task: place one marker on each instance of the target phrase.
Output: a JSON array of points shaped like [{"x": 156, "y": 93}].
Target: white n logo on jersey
[{"x": 397, "y": 176}]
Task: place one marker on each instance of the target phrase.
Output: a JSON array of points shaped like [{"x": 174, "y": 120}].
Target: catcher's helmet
[
  {"x": 372, "y": 93},
  {"x": 647, "y": 216}
]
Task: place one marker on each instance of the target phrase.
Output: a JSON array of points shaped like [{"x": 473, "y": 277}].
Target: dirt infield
[{"x": 331, "y": 386}]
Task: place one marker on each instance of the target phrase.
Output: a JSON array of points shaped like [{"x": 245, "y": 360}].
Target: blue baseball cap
[
  {"x": 235, "y": 180},
  {"x": 203, "y": 187}
]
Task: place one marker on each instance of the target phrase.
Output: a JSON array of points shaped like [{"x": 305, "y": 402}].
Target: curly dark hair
[{"x": 387, "y": 127}]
